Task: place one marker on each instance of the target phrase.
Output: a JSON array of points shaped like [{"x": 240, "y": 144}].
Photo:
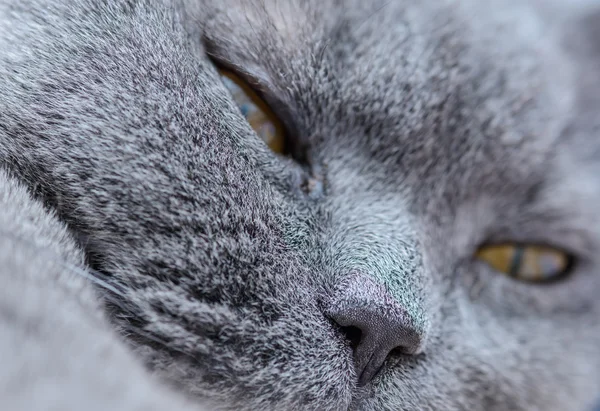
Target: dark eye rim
[
  {"x": 571, "y": 267},
  {"x": 295, "y": 147}
]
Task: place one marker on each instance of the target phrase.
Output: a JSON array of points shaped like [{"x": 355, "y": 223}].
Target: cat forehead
[{"x": 408, "y": 74}]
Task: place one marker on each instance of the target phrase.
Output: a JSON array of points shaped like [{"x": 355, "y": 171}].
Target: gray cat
[{"x": 155, "y": 253}]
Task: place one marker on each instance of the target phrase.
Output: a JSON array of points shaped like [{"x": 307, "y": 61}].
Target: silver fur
[{"x": 424, "y": 129}]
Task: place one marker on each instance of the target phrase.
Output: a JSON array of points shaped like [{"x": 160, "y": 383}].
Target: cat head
[{"x": 342, "y": 274}]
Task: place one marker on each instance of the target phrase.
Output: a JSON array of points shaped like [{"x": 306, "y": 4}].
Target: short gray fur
[{"x": 428, "y": 128}]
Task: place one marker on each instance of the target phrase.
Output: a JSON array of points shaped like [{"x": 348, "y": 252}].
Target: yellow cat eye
[
  {"x": 531, "y": 263},
  {"x": 258, "y": 114}
]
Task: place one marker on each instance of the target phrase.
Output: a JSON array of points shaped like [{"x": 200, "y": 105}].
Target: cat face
[{"x": 341, "y": 275}]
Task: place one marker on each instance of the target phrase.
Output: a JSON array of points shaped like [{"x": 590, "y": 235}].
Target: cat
[{"x": 155, "y": 253}]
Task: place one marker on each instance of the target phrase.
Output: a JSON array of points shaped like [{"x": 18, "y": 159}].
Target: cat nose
[{"x": 377, "y": 323}]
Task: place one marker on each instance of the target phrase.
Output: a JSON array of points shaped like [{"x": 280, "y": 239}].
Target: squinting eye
[
  {"x": 531, "y": 263},
  {"x": 260, "y": 117}
]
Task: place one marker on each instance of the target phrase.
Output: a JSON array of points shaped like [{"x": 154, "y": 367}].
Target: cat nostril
[
  {"x": 353, "y": 335},
  {"x": 374, "y": 323}
]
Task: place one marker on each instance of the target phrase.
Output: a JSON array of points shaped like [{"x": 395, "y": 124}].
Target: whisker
[
  {"x": 134, "y": 331},
  {"x": 111, "y": 294},
  {"x": 95, "y": 277},
  {"x": 375, "y": 12}
]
